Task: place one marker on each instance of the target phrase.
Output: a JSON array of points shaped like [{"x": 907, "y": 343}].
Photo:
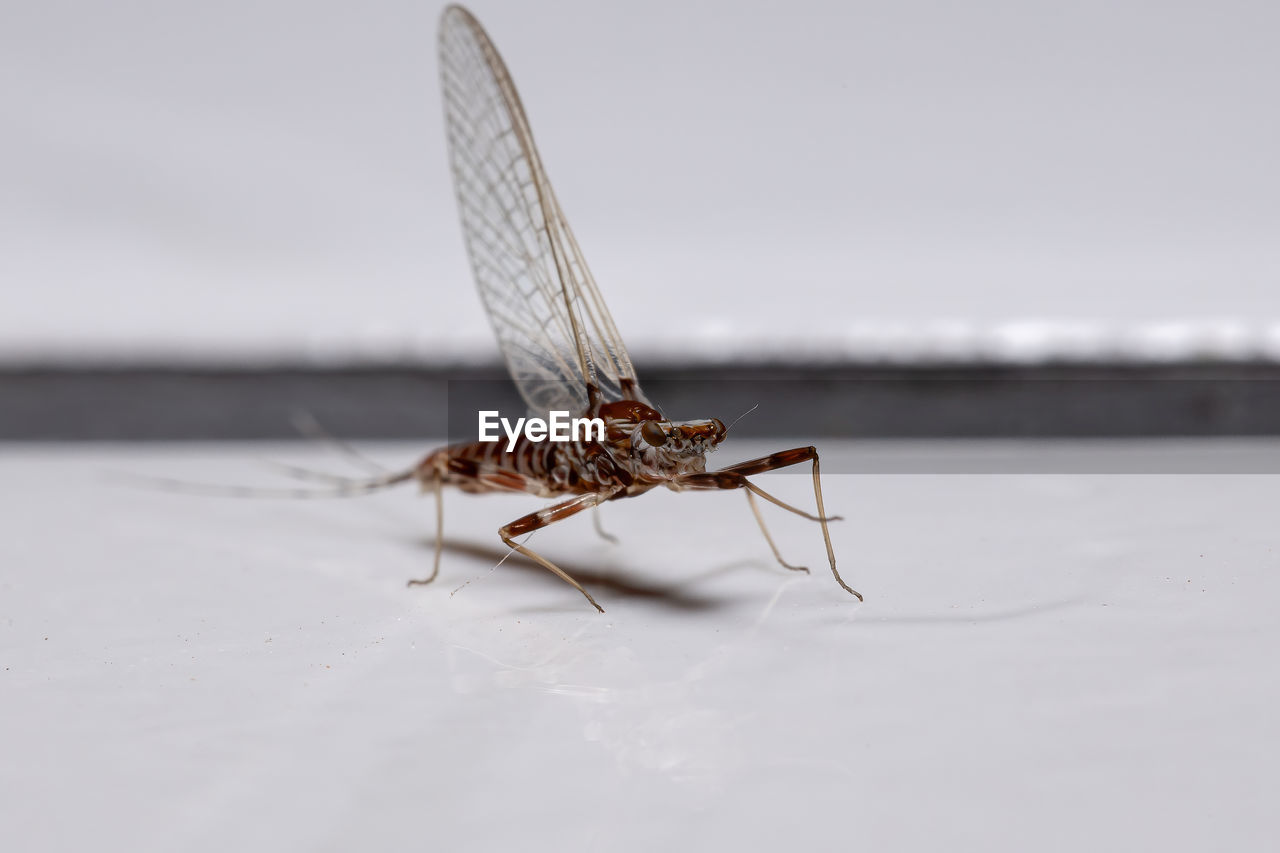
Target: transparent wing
[{"x": 554, "y": 329}]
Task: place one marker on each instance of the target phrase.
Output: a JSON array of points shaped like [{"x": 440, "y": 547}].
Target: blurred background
[{"x": 214, "y": 214}]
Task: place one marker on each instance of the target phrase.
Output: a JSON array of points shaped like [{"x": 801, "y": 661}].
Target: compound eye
[{"x": 653, "y": 434}]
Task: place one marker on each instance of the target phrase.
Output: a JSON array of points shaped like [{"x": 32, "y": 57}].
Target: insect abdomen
[{"x": 540, "y": 468}]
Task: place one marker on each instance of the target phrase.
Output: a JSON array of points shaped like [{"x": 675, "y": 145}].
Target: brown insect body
[{"x": 625, "y": 464}]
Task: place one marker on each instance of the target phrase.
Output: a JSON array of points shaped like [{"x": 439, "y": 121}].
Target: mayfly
[{"x": 560, "y": 343}]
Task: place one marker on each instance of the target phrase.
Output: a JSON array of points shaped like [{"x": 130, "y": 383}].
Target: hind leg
[{"x": 437, "y": 489}]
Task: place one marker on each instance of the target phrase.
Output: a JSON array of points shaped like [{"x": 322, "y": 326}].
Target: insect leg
[
  {"x": 438, "y": 490},
  {"x": 604, "y": 534},
  {"x": 752, "y": 487},
  {"x": 735, "y": 477},
  {"x": 544, "y": 517},
  {"x": 727, "y": 479},
  {"x": 755, "y": 510}
]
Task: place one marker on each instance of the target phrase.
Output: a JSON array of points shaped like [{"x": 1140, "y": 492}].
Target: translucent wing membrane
[{"x": 554, "y": 329}]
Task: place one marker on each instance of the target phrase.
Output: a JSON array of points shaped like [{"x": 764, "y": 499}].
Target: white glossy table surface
[{"x": 1043, "y": 662}]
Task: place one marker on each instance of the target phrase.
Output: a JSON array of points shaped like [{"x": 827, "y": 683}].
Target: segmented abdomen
[{"x": 543, "y": 468}]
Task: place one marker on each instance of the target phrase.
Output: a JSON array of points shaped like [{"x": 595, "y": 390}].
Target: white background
[{"x": 248, "y": 180}]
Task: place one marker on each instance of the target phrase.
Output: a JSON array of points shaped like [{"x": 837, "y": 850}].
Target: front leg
[{"x": 735, "y": 477}]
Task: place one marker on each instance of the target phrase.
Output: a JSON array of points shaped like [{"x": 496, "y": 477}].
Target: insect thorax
[{"x": 652, "y": 449}]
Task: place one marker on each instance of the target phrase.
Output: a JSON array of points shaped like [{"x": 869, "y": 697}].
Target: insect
[
  {"x": 560, "y": 343},
  {"x": 558, "y": 338}
]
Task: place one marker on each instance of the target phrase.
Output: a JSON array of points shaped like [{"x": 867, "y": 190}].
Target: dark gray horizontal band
[{"x": 849, "y": 401}]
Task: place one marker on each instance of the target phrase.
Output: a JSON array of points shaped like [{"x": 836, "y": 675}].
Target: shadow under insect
[{"x": 676, "y": 595}]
